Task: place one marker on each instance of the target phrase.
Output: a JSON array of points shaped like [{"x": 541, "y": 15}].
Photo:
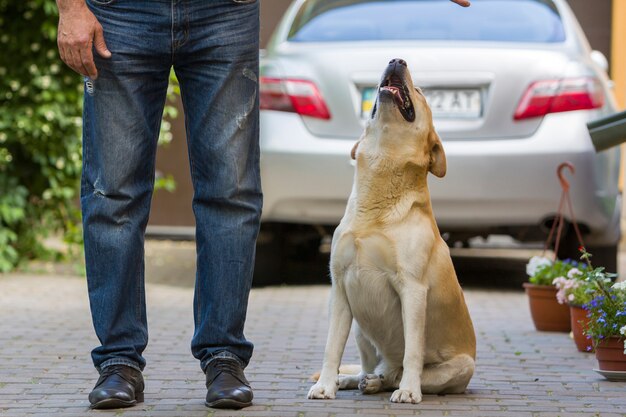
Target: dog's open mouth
[{"x": 395, "y": 86}]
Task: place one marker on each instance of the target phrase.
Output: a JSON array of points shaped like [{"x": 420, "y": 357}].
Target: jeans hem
[
  {"x": 223, "y": 354},
  {"x": 118, "y": 361}
]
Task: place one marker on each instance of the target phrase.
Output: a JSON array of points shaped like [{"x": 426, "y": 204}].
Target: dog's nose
[{"x": 398, "y": 61}]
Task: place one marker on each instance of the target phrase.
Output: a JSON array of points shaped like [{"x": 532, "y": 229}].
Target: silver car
[{"x": 512, "y": 84}]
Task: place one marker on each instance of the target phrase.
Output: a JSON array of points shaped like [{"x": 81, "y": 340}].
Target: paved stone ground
[{"x": 46, "y": 336}]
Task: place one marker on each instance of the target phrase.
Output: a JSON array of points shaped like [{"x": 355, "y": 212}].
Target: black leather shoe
[
  {"x": 227, "y": 386},
  {"x": 119, "y": 386}
]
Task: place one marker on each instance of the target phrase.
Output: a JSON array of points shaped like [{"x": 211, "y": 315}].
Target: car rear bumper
[{"x": 489, "y": 183}]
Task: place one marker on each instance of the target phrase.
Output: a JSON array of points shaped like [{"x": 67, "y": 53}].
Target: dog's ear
[
  {"x": 437, "y": 164},
  {"x": 353, "y": 151}
]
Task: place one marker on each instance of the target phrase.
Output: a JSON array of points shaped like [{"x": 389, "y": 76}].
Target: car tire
[
  {"x": 270, "y": 261},
  {"x": 290, "y": 253}
]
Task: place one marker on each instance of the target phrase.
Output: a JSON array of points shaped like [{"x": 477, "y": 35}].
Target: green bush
[
  {"x": 40, "y": 147},
  {"x": 40, "y": 134}
]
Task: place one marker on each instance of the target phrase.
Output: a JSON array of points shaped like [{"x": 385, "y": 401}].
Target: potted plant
[
  {"x": 575, "y": 291},
  {"x": 546, "y": 312},
  {"x": 607, "y": 325}
]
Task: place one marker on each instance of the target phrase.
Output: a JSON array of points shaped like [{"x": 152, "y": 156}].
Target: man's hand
[
  {"x": 80, "y": 32},
  {"x": 464, "y": 3}
]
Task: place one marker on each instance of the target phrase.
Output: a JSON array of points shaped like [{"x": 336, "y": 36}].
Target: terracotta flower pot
[
  {"x": 579, "y": 321},
  {"x": 547, "y": 314},
  {"x": 610, "y": 354}
]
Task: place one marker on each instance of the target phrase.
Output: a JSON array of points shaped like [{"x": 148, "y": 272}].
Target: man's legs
[
  {"x": 122, "y": 114},
  {"x": 214, "y": 46},
  {"x": 216, "y": 61}
]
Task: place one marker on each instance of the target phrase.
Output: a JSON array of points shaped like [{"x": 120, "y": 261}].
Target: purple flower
[{"x": 596, "y": 301}]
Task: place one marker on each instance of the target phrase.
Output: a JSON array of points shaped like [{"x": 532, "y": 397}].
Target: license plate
[{"x": 444, "y": 103}]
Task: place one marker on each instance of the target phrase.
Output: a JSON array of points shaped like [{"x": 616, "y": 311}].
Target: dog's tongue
[{"x": 396, "y": 93}]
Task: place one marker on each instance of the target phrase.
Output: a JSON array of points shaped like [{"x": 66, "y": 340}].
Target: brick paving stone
[
  {"x": 578, "y": 414},
  {"x": 46, "y": 337}
]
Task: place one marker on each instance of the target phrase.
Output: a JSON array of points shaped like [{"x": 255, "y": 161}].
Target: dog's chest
[
  {"x": 367, "y": 265},
  {"x": 356, "y": 253}
]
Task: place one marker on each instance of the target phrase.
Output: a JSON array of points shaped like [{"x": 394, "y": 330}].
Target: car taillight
[
  {"x": 292, "y": 95},
  {"x": 553, "y": 96}
]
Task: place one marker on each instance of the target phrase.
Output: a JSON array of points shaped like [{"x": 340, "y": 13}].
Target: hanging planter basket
[
  {"x": 547, "y": 314},
  {"x": 579, "y": 321},
  {"x": 611, "y": 358},
  {"x": 545, "y": 310}
]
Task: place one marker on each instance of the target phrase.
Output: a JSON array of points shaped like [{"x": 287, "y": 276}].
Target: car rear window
[{"x": 375, "y": 20}]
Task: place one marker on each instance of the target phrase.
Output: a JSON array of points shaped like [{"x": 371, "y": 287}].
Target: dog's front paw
[
  {"x": 406, "y": 396},
  {"x": 321, "y": 391}
]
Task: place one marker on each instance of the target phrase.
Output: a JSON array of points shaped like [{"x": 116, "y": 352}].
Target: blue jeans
[{"x": 213, "y": 48}]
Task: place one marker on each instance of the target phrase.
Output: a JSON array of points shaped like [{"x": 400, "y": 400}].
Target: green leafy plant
[
  {"x": 594, "y": 290},
  {"x": 576, "y": 290},
  {"x": 579, "y": 286},
  {"x": 607, "y": 312},
  {"x": 543, "y": 271},
  {"x": 40, "y": 135},
  {"x": 40, "y": 147},
  {"x": 607, "y": 309}
]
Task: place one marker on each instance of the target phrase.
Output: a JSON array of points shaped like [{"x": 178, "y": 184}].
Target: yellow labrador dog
[{"x": 391, "y": 270}]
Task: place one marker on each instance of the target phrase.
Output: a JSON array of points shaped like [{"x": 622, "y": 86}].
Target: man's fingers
[
  {"x": 79, "y": 33},
  {"x": 75, "y": 62},
  {"x": 86, "y": 57},
  {"x": 69, "y": 60},
  {"x": 99, "y": 43}
]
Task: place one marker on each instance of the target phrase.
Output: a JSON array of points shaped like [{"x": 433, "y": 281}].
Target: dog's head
[{"x": 402, "y": 121}]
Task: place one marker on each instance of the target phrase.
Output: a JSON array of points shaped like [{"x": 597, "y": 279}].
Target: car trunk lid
[{"x": 473, "y": 90}]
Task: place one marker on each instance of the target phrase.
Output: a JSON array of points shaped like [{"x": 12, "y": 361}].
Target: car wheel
[
  {"x": 269, "y": 262},
  {"x": 291, "y": 253}
]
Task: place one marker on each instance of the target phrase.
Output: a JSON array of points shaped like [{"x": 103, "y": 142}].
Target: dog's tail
[{"x": 343, "y": 369}]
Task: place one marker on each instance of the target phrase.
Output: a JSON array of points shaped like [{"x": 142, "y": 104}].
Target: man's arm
[
  {"x": 464, "y": 3},
  {"x": 79, "y": 32}
]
